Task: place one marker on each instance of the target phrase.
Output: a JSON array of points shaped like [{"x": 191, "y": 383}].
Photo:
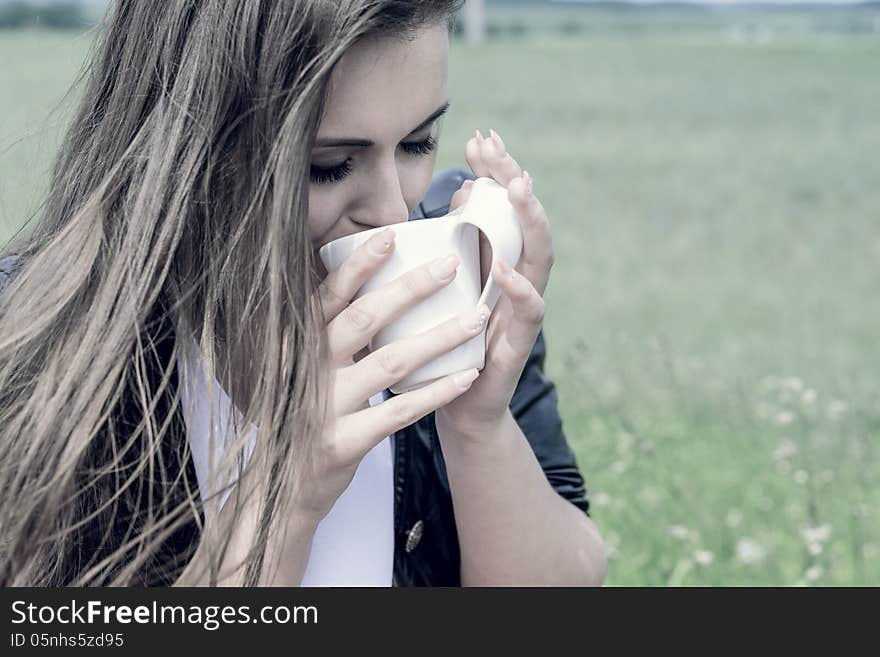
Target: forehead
[{"x": 387, "y": 84}]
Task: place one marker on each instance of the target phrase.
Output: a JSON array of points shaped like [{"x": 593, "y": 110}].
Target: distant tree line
[{"x": 61, "y": 15}]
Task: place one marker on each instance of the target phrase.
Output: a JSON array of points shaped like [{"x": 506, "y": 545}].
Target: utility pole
[{"x": 474, "y": 21}]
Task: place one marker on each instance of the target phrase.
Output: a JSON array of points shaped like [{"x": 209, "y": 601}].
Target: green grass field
[{"x": 713, "y": 314}]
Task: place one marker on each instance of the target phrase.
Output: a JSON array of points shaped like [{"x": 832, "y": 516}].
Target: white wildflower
[
  {"x": 786, "y": 450},
  {"x": 612, "y": 544},
  {"x": 815, "y": 538},
  {"x": 749, "y": 551},
  {"x": 837, "y": 408},
  {"x": 601, "y": 499},
  {"x": 808, "y": 398},
  {"x": 680, "y": 532},
  {"x": 619, "y": 467},
  {"x": 704, "y": 557},
  {"x": 801, "y": 477},
  {"x": 818, "y": 534},
  {"x": 784, "y": 418},
  {"x": 793, "y": 383},
  {"x": 813, "y": 573}
]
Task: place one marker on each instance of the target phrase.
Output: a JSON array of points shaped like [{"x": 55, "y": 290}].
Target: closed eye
[
  {"x": 424, "y": 147},
  {"x": 327, "y": 175}
]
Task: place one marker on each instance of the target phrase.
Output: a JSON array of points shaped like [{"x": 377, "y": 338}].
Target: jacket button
[{"x": 414, "y": 535}]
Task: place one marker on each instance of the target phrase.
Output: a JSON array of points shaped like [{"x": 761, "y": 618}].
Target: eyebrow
[{"x": 350, "y": 141}]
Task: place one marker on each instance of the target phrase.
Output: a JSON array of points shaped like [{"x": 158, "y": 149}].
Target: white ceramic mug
[{"x": 419, "y": 242}]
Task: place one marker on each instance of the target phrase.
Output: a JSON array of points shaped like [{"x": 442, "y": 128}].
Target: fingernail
[
  {"x": 498, "y": 141},
  {"x": 528, "y": 178},
  {"x": 443, "y": 268},
  {"x": 466, "y": 378},
  {"x": 479, "y": 134},
  {"x": 475, "y": 321},
  {"x": 381, "y": 244},
  {"x": 505, "y": 269}
]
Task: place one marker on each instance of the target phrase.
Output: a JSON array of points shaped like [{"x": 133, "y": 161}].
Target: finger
[
  {"x": 339, "y": 287},
  {"x": 473, "y": 153},
  {"x": 537, "y": 256},
  {"x": 528, "y": 309},
  {"x": 502, "y": 166},
  {"x": 390, "y": 364},
  {"x": 359, "y": 432},
  {"x": 461, "y": 196},
  {"x": 352, "y": 328}
]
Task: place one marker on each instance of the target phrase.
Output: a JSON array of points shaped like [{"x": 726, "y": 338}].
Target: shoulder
[{"x": 443, "y": 185}]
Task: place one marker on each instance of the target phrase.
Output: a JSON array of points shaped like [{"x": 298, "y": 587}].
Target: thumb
[{"x": 461, "y": 196}]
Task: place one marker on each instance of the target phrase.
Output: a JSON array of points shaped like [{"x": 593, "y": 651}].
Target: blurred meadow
[{"x": 713, "y": 184}]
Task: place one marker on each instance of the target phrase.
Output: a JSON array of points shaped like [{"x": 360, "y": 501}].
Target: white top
[{"x": 354, "y": 543}]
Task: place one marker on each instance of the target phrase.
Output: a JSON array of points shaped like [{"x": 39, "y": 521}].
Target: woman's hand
[
  {"x": 352, "y": 427},
  {"x": 519, "y": 313}
]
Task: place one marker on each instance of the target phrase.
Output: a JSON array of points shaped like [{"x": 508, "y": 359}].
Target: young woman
[{"x": 186, "y": 396}]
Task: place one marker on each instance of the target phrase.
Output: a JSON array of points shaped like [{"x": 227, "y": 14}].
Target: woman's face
[{"x": 376, "y": 147}]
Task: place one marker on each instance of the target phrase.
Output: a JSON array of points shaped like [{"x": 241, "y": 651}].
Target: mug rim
[{"x": 343, "y": 241}]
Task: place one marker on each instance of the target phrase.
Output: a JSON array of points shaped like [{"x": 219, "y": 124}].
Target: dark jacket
[
  {"x": 426, "y": 551},
  {"x": 426, "y": 541}
]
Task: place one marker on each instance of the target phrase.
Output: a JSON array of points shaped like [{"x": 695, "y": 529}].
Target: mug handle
[{"x": 488, "y": 209}]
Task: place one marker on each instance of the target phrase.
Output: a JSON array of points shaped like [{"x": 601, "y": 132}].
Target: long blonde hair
[{"x": 178, "y": 205}]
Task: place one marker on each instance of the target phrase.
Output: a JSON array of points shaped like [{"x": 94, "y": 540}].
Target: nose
[{"x": 386, "y": 203}]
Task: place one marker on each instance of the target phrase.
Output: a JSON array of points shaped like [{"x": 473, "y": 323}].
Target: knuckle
[
  {"x": 537, "y": 314},
  {"x": 330, "y": 295},
  {"x": 332, "y": 452},
  {"x": 405, "y": 413},
  {"x": 363, "y": 266},
  {"x": 391, "y": 362},
  {"x": 358, "y": 267},
  {"x": 358, "y": 317}
]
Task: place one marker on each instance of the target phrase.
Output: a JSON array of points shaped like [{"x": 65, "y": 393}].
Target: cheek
[
  {"x": 416, "y": 179},
  {"x": 323, "y": 212}
]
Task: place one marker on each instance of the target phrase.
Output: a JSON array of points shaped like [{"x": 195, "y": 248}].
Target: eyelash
[{"x": 322, "y": 176}]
